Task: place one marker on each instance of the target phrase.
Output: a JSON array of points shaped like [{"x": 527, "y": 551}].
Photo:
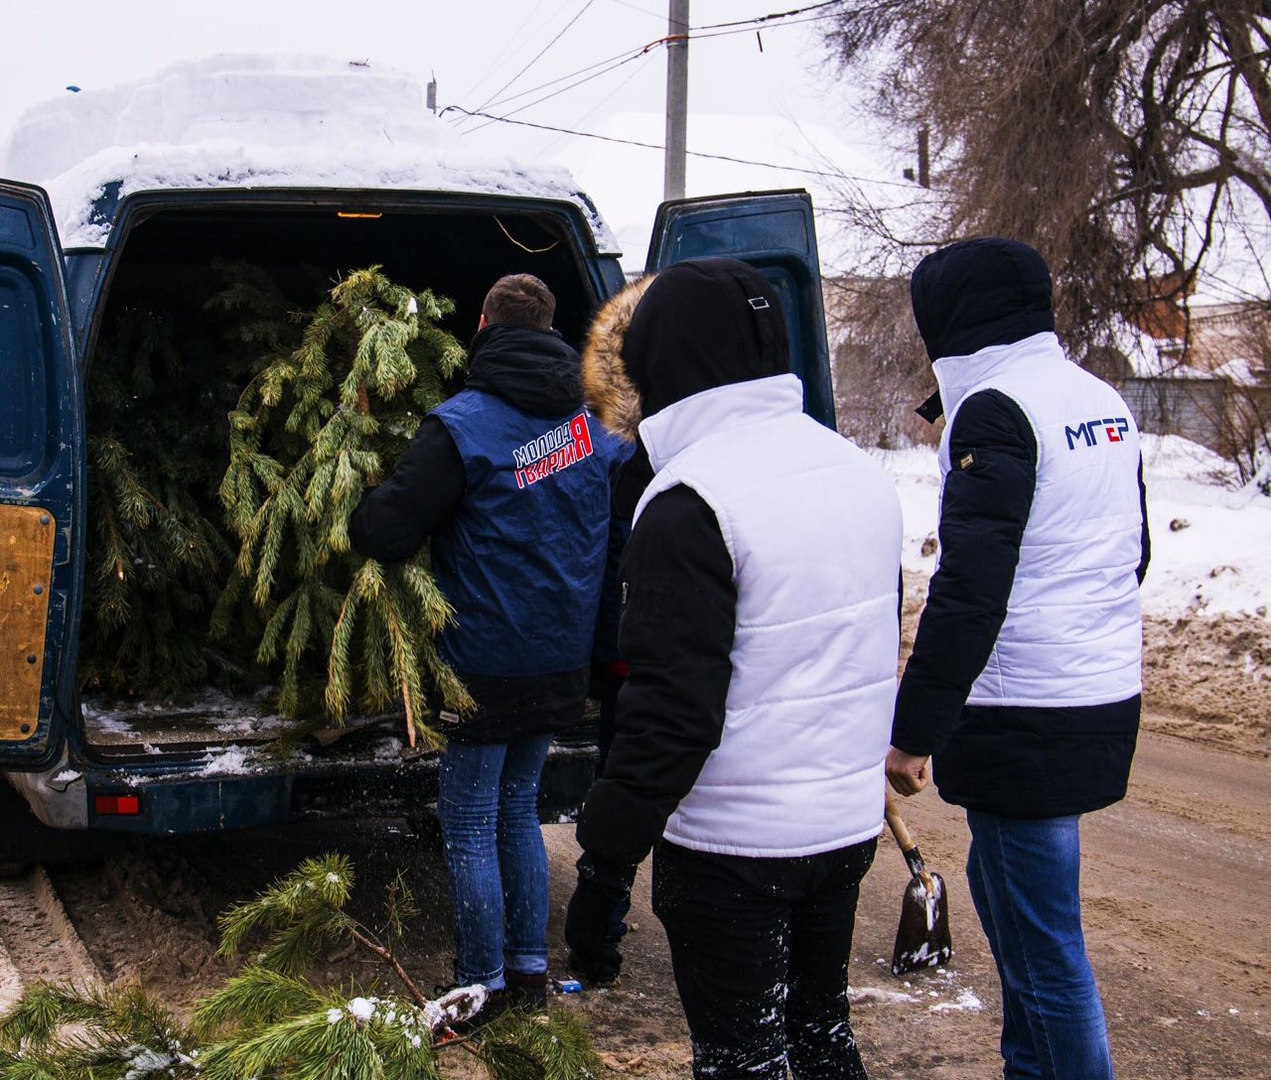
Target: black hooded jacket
[
  {"x": 695, "y": 329},
  {"x": 1012, "y": 761}
]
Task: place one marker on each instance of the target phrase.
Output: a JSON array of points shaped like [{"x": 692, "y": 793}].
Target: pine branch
[
  {"x": 274, "y": 1024},
  {"x": 389, "y": 957},
  {"x": 256, "y": 997},
  {"x": 68, "y": 1031},
  {"x": 304, "y": 1047},
  {"x": 518, "y": 1046},
  {"x": 317, "y": 887},
  {"x": 400, "y": 907}
]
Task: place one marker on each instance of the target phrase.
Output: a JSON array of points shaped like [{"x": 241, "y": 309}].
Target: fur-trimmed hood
[{"x": 607, "y": 389}]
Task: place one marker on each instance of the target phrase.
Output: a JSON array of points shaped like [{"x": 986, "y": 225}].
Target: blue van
[{"x": 145, "y": 226}]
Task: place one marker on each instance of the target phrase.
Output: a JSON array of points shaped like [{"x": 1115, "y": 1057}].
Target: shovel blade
[{"x": 922, "y": 939}]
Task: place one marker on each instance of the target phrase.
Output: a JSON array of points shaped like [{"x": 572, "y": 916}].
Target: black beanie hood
[
  {"x": 701, "y": 324},
  {"x": 980, "y": 292}
]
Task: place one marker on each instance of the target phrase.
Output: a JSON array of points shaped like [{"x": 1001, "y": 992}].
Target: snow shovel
[{"x": 922, "y": 939}]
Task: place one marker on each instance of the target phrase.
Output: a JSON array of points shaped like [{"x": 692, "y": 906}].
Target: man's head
[
  {"x": 519, "y": 300},
  {"x": 981, "y": 292}
]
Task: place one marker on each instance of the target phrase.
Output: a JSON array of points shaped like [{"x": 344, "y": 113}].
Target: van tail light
[{"x": 117, "y": 805}]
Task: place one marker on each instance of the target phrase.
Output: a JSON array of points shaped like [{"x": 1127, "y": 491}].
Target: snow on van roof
[{"x": 247, "y": 121}]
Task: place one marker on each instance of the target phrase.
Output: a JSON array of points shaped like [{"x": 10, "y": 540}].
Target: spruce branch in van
[
  {"x": 312, "y": 428},
  {"x": 155, "y": 548}
]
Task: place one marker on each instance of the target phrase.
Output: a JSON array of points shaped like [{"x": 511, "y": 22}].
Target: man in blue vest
[
  {"x": 1026, "y": 673},
  {"x": 510, "y": 479}
]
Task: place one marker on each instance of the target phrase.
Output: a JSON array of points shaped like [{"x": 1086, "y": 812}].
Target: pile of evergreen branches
[{"x": 324, "y": 405}]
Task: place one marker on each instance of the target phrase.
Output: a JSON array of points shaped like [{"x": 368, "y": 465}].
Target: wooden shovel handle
[
  {"x": 897, "y": 826},
  {"x": 908, "y": 846}
]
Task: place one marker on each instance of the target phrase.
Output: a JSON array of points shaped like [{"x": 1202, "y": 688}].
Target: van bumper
[{"x": 165, "y": 800}]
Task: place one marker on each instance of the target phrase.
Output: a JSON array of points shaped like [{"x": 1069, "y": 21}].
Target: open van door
[
  {"x": 775, "y": 233},
  {"x": 41, "y": 453}
]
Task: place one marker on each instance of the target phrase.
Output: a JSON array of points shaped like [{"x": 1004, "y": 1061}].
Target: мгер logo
[{"x": 1113, "y": 430}]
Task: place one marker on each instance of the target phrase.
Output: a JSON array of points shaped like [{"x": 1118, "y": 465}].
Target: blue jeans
[
  {"x": 487, "y": 804},
  {"x": 1025, "y": 876}
]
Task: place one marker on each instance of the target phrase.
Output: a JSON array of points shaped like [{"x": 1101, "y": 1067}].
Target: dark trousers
[{"x": 760, "y": 950}]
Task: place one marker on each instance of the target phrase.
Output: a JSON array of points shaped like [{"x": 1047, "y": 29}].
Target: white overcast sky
[
  {"x": 482, "y": 52},
  {"x": 546, "y": 62}
]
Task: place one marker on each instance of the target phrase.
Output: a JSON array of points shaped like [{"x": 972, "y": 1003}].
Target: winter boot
[
  {"x": 496, "y": 1004},
  {"x": 526, "y": 992}
]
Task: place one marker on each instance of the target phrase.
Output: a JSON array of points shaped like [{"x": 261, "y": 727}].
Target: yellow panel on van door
[{"x": 26, "y": 568}]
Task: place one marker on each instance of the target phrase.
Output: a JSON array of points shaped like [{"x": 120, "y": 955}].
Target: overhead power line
[
  {"x": 539, "y": 55},
  {"x": 704, "y": 33},
  {"x": 603, "y": 67},
  {"x": 832, "y": 173},
  {"x": 545, "y": 97},
  {"x": 494, "y": 63},
  {"x": 600, "y": 104},
  {"x": 660, "y": 15},
  {"x": 760, "y": 19},
  {"x": 600, "y": 67}
]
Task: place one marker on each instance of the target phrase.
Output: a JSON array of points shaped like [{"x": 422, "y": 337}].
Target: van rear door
[
  {"x": 774, "y": 232},
  {"x": 41, "y": 453}
]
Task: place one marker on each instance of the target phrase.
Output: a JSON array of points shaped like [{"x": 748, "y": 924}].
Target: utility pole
[
  {"x": 924, "y": 159},
  {"x": 676, "y": 100}
]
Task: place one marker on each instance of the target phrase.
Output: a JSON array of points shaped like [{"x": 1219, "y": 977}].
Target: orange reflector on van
[
  {"x": 356, "y": 214},
  {"x": 117, "y": 805}
]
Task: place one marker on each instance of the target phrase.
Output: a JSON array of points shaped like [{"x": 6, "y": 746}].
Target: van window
[{"x": 23, "y": 410}]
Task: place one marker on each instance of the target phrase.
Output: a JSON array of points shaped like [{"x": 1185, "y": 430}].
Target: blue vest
[{"x": 523, "y": 558}]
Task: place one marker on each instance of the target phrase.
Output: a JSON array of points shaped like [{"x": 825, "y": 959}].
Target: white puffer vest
[
  {"x": 1073, "y": 633},
  {"x": 813, "y": 526}
]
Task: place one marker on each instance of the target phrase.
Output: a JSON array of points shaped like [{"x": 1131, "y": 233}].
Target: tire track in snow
[{"x": 40, "y": 944}]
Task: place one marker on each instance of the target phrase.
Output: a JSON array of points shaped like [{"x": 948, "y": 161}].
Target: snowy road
[{"x": 1175, "y": 882}]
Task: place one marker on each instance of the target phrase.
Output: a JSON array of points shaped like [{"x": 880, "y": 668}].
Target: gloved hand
[{"x": 593, "y": 921}]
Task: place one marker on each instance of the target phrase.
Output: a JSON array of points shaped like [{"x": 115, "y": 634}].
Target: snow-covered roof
[
  {"x": 1217, "y": 348},
  {"x": 258, "y": 122}
]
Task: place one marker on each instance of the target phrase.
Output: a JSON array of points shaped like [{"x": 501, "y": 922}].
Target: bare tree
[
  {"x": 1246, "y": 422},
  {"x": 1126, "y": 139},
  {"x": 881, "y": 370}
]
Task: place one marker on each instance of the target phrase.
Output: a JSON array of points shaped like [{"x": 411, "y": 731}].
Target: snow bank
[
  {"x": 1210, "y": 536},
  {"x": 257, "y": 122}
]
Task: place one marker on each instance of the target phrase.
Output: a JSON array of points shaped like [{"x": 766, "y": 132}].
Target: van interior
[{"x": 166, "y": 364}]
